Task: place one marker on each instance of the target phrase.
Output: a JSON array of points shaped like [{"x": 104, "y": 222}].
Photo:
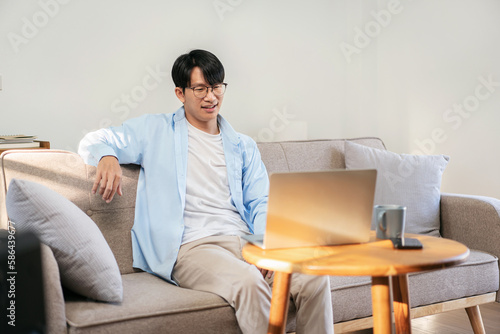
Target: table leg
[
  {"x": 279, "y": 303},
  {"x": 401, "y": 297},
  {"x": 381, "y": 305}
]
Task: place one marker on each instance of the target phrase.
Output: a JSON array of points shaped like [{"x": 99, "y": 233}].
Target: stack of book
[{"x": 18, "y": 141}]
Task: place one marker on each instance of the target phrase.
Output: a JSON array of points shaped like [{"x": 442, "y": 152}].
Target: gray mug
[{"x": 390, "y": 221}]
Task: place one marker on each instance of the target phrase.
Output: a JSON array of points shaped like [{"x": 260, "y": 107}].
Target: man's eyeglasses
[{"x": 202, "y": 91}]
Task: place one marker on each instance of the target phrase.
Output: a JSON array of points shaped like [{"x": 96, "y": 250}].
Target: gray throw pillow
[
  {"x": 87, "y": 265},
  {"x": 413, "y": 181}
]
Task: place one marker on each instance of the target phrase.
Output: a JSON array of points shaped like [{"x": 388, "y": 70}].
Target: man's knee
[
  {"x": 252, "y": 283},
  {"x": 251, "y": 277},
  {"x": 308, "y": 285}
]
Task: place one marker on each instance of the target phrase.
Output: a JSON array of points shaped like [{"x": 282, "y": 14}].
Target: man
[{"x": 201, "y": 186}]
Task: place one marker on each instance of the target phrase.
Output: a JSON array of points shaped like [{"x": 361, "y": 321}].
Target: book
[
  {"x": 11, "y": 139},
  {"x": 9, "y": 145},
  {"x": 14, "y": 137}
]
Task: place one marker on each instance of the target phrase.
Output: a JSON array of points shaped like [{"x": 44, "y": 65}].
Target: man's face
[{"x": 200, "y": 112}]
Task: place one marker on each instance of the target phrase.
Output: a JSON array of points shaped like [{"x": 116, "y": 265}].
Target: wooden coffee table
[{"x": 376, "y": 258}]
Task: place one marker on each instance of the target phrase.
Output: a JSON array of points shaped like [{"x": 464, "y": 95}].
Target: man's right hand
[{"x": 108, "y": 178}]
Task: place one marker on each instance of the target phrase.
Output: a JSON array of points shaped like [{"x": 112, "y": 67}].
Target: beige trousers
[{"x": 215, "y": 264}]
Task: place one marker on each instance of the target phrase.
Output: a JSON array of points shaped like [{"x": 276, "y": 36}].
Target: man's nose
[{"x": 210, "y": 95}]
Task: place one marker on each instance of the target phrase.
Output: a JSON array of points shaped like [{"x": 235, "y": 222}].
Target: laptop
[{"x": 318, "y": 208}]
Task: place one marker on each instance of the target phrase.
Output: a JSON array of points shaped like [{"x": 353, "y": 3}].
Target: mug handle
[{"x": 380, "y": 218}]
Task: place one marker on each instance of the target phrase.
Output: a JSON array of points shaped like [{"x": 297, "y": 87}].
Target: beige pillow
[
  {"x": 413, "y": 181},
  {"x": 86, "y": 264}
]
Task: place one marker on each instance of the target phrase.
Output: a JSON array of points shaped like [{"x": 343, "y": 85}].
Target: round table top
[{"x": 374, "y": 258}]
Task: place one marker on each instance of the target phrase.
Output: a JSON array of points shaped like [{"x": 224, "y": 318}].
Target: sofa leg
[{"x": 476, "y": 320}]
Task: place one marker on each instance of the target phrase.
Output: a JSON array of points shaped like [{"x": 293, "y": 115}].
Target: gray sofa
[{"x": 151, "y": 305}]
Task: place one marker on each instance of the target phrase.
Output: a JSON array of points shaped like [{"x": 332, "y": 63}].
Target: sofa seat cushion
[
  {"x": 354, "y": 289},
  {"x": 479, "y": 274},
  {"x": 151, "y": 305}
]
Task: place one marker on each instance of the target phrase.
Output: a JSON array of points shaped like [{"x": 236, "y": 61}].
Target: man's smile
[{"x": 210, "y": 107}]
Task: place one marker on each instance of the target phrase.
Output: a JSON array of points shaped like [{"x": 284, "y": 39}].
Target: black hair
[{"x": 210, "y": 66}]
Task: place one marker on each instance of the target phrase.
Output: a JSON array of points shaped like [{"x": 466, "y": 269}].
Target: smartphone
[{"x": 407, "y": 243}]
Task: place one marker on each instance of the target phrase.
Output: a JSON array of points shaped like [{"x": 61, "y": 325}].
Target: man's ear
[{"x": 180, "y": 94}]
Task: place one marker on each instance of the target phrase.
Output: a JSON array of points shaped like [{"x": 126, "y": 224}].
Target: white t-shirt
[{"x": 209, "y": 209}]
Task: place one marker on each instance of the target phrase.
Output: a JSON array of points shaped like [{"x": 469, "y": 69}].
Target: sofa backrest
[
  {"x": 66, "y": 173},
  {"x": 309, "y": 155}
]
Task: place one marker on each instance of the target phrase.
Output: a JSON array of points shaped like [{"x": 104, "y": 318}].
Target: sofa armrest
[
  {"x": 472, "y": 220},
  {"x": 55, "y": 311}
]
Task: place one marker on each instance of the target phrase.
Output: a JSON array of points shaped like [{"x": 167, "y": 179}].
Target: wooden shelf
[{"x": 43, "y": 145}]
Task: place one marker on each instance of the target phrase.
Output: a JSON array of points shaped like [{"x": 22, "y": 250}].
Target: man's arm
[
  {"x": 255, "y": 192},
  {"x": 108, "y": 148},
  {"x": 255, "y": 184}
]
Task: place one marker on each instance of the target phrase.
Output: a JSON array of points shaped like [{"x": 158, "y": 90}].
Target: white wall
[{"x": 67, "y": 67}]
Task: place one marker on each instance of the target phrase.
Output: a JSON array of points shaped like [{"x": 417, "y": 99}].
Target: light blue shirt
[{"x": 159, "y": 144}]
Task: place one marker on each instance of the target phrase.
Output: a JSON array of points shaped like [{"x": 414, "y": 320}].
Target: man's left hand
[{"x": 266, "y": 273}]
